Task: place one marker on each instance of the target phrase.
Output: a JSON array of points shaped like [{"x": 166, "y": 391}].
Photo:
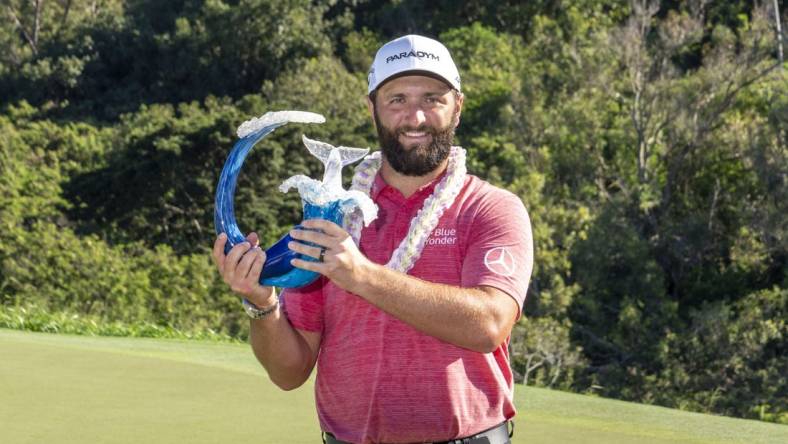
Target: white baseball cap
[{"x": 413, "y": 53}]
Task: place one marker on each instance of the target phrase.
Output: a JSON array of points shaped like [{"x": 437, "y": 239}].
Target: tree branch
[
  {"x": 30, "y": 40},
  {"x": 779, "y": 30},
  {"x": 37, "y": 20},
  {"x": 64, "y": 18}
]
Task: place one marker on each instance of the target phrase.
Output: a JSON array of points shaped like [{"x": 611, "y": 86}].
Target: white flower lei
[{"x": 421, "y": 226}]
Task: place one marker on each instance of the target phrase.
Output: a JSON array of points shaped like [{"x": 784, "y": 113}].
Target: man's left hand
[{"x": 342, "y": 262}]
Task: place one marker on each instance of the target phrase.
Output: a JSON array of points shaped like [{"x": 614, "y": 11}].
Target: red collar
[{"x": 379, "y": 185}]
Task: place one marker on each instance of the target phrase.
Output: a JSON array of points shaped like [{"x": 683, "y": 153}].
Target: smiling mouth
[{"x": 419, "y": 135}]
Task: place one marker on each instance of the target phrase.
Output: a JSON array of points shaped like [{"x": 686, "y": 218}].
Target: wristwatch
[{"x": 255, "y": 312}]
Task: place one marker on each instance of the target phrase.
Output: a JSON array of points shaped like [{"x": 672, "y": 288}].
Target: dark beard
[{"x": 418, "y": 160}]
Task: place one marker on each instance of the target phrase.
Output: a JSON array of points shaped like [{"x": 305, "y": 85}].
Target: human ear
[
  {"x": 371, "y": 109},
  {"x": 459, "y": 100}
]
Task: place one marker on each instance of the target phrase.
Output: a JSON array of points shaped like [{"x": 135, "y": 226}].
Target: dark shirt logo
[{"x": 419, "y": 54}]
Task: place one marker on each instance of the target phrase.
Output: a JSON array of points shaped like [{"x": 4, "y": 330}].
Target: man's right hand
[{"x": 241, "y": 268}]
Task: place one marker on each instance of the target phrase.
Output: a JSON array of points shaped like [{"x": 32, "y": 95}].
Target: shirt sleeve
[
  {"x": 304, "y": 306},
  {"x": 500, "y": 251}
]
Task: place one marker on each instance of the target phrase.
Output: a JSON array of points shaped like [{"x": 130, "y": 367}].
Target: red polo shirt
[{"x": 379, "y": 379}]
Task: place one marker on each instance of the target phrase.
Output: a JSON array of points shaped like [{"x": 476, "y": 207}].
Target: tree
[
  {"x": 732, "y": 360},
  {"x": 181, "y": 51}
]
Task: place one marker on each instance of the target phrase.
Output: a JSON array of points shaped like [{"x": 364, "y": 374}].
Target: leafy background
[{"x": 647, "y": 139}]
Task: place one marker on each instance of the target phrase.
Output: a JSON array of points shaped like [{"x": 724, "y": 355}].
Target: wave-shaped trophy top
[
  {"x": 277, "y": 118},
  {"x": 330, "y": 188}
]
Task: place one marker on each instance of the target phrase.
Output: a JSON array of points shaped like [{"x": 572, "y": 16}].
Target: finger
[
  {"x": 328, "y": 227},
  {"x": 298, "y": 247},
  {"x": 232, "y": 259},
  {"x": 237, "y": 252},
  {"x": 315, "y": 237},
  {"x": 218, "y": 251},
  {"x": 245, "y": 264},
  {"x": 257, "y": 267},
  {"x": 253, "y": 239},
  {"x": 317, "y": 267}
]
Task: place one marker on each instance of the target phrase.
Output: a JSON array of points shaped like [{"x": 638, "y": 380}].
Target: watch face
[
  {"x": 256, "y": 313},
  {"x": 250, "y": 309}
]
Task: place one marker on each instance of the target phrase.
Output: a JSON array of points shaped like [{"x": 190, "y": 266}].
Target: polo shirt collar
[{"x": 379, "y": 185}]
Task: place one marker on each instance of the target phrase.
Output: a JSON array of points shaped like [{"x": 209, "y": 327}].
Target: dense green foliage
[{"x": 648, "y": 141}]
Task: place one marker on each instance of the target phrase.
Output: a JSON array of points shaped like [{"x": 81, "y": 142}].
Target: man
[{"x": 409, "y": 329}]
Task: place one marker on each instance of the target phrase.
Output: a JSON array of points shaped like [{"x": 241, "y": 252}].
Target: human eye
[{"x": 434, "y": 100}]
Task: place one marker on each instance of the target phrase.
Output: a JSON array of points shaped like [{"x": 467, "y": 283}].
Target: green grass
[{"x": 76, "y": 389}]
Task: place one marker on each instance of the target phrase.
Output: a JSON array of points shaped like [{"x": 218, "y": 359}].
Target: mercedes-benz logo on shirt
[{"x": 499, "y": 261}]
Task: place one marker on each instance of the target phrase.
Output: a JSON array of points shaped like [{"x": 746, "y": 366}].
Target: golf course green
[{"x": 79, "y": 389}]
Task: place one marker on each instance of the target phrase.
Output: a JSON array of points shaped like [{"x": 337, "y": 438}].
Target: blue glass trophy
[{"x": 324, "y": 199}]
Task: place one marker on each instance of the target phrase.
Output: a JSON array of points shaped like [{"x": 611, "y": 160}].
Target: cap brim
[{"x": 414, "y": 72}]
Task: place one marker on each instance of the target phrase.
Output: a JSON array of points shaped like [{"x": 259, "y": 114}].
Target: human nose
[{"x": 416, "y": 116}]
